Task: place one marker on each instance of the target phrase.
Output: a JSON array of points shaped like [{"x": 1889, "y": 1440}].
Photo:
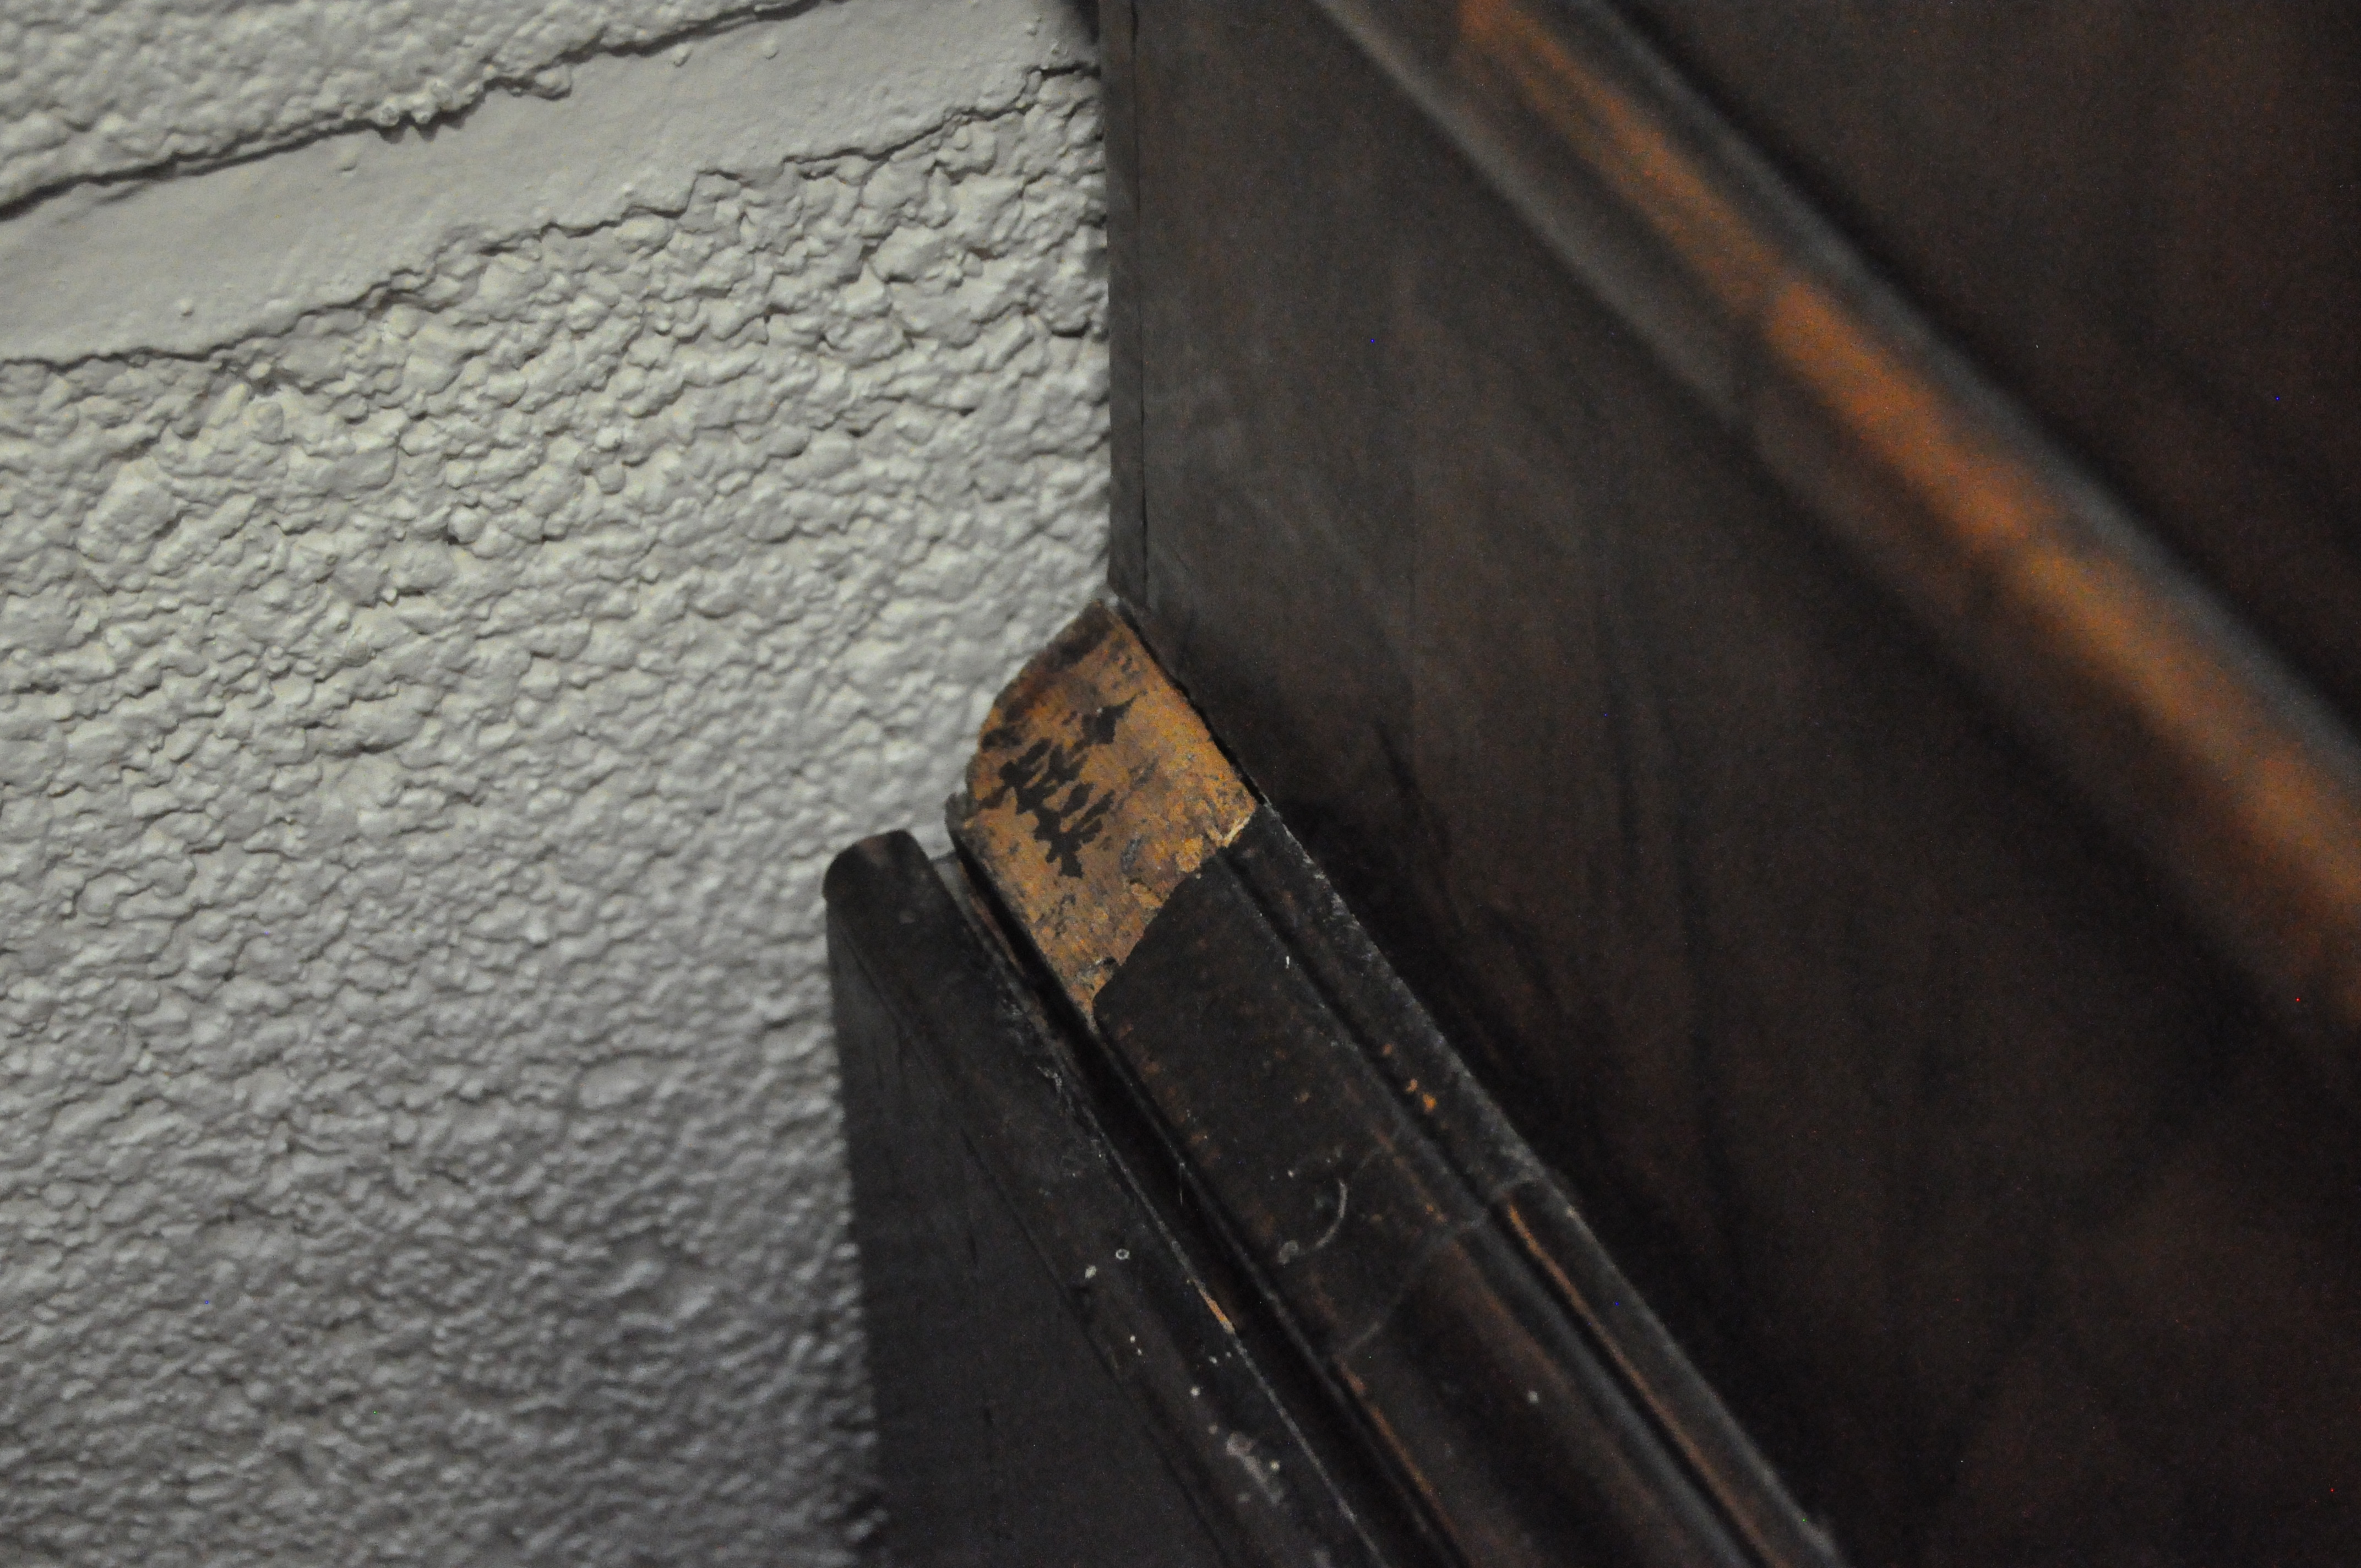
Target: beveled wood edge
[
  {"x": 1524, "y": 1197},
  {"x": 1169, "y": 807},
  {"x": 931, "y": 957},
  {"x": 2160, "y": 707}
]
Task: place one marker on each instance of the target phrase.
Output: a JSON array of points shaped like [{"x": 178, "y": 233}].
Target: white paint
[
  {"x": 99, "y": 91},
  {"x": 426, "y": 705},
  {"x": 185, "y": 265}
]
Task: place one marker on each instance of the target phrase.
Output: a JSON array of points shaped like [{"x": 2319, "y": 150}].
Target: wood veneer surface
[{"x": 1951, "y": 1154}]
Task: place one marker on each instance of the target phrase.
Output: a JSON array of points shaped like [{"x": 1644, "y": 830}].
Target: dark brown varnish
[
  {"x": 1960, "y": 1161},
  {"x": 1066, "y": 1369},
  {"x": 1437, "y": 1279},
  {"x": 2147, "y": 219}
]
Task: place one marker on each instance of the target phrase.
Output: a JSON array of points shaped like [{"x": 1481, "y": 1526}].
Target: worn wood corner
[{"x": 1095, "y": 791}]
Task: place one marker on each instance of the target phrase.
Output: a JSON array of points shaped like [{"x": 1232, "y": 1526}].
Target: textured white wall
[
  {"x": 426, "y": 703},
  {"x": 95, "y": 91}
]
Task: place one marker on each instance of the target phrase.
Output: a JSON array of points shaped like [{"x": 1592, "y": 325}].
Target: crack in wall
[
  {"x": 96, "y": 91},
  {"x": 548, "y": 80},
  {"x": 180, "y": 265}
]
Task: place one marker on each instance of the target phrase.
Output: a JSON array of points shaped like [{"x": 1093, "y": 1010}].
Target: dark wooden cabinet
[
  {"x": 2145, "y": 220},
  {"x": 1792, "y": 567}
]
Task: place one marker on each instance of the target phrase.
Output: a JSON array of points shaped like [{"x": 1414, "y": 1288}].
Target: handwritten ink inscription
[
  {"x": 1036, "y": 777},
  {"x": 1095, "y": 791}
]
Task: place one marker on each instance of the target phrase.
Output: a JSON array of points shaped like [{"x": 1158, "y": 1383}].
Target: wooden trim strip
[
  {"x": 2167, "y": 713},
  {"x": 1525, "y": 1198},
  {"x": 923, "y": 988},
  {"x": 1432, "y": 1268}
]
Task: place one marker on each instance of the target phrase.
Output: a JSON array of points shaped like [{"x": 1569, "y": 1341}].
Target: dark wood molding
[
  {"x": 1687, "y": 789},
  {"x": 2201, "y": 747},
  {"x": 1434, "y": 1270},
  {"x": 1067, "y": 1369},
  {"x": 1528, "y": 1204},
  {"x": 1917, "y": 1090}
]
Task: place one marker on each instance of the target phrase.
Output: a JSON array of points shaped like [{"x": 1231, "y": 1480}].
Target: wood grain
[
  {"x": 2208, "y": 752},
  {"x": 2146, "y": 221},
  {"x": 1093, "y": 791},
  {"x": 1949, "y": 1147}
]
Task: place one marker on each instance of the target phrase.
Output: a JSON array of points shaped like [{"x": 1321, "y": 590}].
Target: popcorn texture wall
[{"x": 424, "y": 714}]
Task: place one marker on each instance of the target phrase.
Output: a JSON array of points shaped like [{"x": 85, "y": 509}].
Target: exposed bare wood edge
[
  {"x": 2241, "y": 787},
  {"x": 1167, "y": 784},
  {"x": 1093, "y": 791}
]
